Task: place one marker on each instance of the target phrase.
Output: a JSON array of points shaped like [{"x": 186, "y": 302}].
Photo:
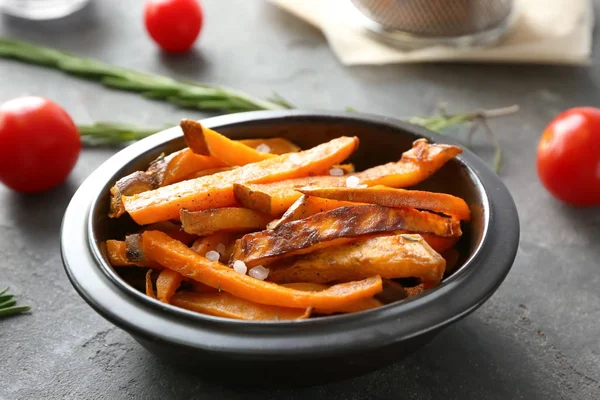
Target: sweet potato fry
[
  {"x": 117, "y": 255},
  {"x": 275, "y": 198},
  {"x": 416, "y": 165},
  {"x": 276, "y": 145},
  {"x": 216, "y": 190},
  {"x": 178, "y": 257},
  {"x": 384, "y": 196},
  {"x": 399, "y": 256},
  {"x": 306, "y": 206},
  {"x": 133, "y": 248},
  {"x": 205, "y": 141},
  {"x": 164, "y": 171},
  {"x": 149, "y": 287},
  {"x": 361, "y": 305},
  {"x": 228, "y": 219},
  {"x": 181, "y": 164},
  {"x": 167, "y": 284},
  {"x": 312, "y": 233},
  {"x": 223, "y": 304}
]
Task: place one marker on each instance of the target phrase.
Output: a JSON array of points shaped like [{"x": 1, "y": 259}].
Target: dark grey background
[{"x": 537, "y": 337}]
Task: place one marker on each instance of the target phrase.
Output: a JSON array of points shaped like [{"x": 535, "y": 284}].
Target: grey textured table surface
[{"x": 537, "y": 337}]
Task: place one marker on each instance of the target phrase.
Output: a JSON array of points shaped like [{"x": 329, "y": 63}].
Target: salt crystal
[
  {"x": 240, "y": 267},
  {"x": 295, "y": 159},
  {"x": 213, "y": 255},
  {"x": 259, "y": 272},
  {"x": 263, "y": 148},
  {"x": 336, "y": 172},
  {"x": 220, "y": 248},
  {"x": 352, "y": 181}
]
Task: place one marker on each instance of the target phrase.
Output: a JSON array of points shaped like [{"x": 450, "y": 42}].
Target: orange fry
[
  {"x": 344, "y": 223},
  {"x": 178, "y": 257},
  {"x": 399, "y": 256},
  {"x": 117, "y": 255},
  {"x": 306, "y": 206},
  {"x": 167, "y": 284},
  {"x": 360, "y": 305},
  {"x": 205, "y": 141},
  {"x": 384, "y": 196},
  {"x": 216, "y": 190},
  {"x": 416, "y": 165},
  {"x": 223, "y": 304},
  {"x": 229, "y": 219}
]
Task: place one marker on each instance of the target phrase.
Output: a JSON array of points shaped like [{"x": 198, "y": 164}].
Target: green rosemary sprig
[
  {"x": 114, "y": 134},
  {"x": 184, "y": 94},
  {"x": 107, "y": 133},
  {"x": 198, "y": 96},
  {"x": 8, "y": 305}
]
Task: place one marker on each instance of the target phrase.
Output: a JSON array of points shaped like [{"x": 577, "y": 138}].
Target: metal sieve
[{"x": 428, "y": 22}]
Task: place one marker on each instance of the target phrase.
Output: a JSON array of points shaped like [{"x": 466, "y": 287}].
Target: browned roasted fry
[
  {"x": 342, "y": 225},
  {"x": 223, "y": 304},
  {"x": 164, "y": 171},
  {"x": 391, "y": 257},
  {"x": 228, "y": 219},
  {"x": 389, "y": 197},
  {"x": 306, "y": 206},
  {"x": 361, "y": 305}
]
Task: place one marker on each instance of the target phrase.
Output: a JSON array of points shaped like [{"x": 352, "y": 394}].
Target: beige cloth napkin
[{"x": 543, "y": 32}]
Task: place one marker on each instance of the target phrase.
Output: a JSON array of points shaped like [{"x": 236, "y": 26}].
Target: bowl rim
[{"x": 464, "y": 291}]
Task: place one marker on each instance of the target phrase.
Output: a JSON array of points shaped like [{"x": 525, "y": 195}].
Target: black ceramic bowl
[{"x": 314, "y": 350}]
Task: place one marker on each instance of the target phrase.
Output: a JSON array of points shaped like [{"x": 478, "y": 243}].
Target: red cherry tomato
[
  {"x": 39, "y": 144},
  {"x": 568, "y": 156},
  {"x": 173, "y": 24}
]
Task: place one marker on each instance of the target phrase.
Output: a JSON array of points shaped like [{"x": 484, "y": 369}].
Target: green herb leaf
[
  {"x": 5, "y": 312},
  {"x": 8, "y": 304},
  {"x": 188, "y": 94},
  {"x": 5, "y": 297}
]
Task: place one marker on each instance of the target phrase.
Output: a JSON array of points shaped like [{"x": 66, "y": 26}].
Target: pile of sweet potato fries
[{"x": 261, "y": 230}]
